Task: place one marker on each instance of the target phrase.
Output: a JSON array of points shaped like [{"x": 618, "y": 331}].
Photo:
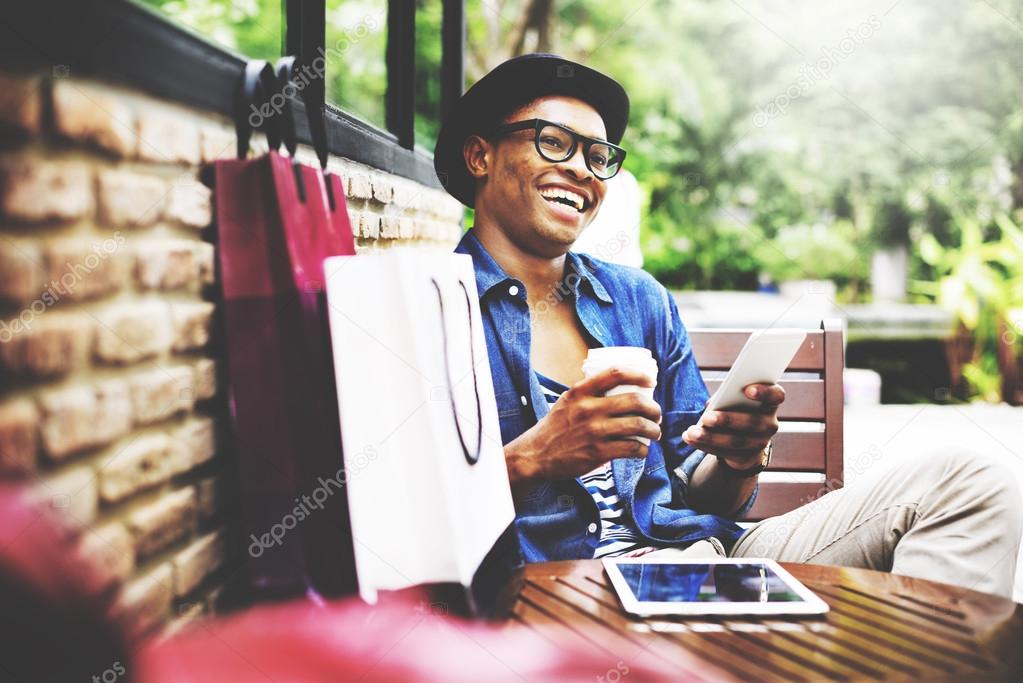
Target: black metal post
[
  {"x": 452, "y": 62},
  {"x": 401, "y": 70}
]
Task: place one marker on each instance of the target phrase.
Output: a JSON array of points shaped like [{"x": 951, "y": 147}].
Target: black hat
[{"x": 512, "y": 84}]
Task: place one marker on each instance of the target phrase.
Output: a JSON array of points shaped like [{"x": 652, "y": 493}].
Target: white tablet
[
  {"x": 705, "y": 587},
  {"x": 761, "y": 361}
]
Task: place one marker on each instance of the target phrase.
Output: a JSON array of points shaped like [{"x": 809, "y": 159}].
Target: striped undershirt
[{"x": 616, "y": 538}]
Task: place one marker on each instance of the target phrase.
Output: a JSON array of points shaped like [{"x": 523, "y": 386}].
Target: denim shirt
[{"x": 617, "y": 306}]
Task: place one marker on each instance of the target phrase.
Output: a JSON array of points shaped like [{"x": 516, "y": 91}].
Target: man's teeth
[{"x": 555, "y": 194}]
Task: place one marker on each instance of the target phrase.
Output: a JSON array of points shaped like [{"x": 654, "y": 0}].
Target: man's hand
[
  {"x": 585, "y": 429},
  {"x": 739, "y": 437}
]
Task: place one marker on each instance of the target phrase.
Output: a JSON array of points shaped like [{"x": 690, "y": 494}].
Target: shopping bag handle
[
  {"x": 253, "y": 110},
  {"x": 471, "y": 457},
  {"x": 317, "y": 126},
  {"x": 285, "y": 73}
]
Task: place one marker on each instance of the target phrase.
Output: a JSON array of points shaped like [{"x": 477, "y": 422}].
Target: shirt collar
[{"x": 489, "y": 273}]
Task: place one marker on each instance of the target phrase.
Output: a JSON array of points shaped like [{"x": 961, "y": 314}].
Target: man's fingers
[
  {"x": 633, "y": 403},
  {"x": 768, "y": 394},
  {"x": 599, "y": 384},
  {"x": 734, "y": 421},
  {"x": 633, "y": 425},
  {"x": 714, "y": 442},
  {"x": 625, "y": 448}
]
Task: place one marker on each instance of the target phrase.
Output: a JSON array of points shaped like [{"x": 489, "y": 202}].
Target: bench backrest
[{"x": 810, "y": 438}]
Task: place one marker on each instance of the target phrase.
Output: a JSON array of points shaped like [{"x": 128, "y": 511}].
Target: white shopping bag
[{"x": 427, "y": 485}]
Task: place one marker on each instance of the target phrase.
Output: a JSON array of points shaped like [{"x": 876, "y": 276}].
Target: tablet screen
[{"x": 741, "y": 582}]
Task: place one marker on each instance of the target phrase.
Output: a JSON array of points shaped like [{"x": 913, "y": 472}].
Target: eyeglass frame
[{"x": 539, "y": 124}]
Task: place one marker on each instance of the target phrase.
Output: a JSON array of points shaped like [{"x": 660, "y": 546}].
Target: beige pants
[{"x": 953, "y": 517}]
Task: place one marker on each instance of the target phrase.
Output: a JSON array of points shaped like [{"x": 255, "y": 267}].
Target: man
[{"x": 530, "y": 147}]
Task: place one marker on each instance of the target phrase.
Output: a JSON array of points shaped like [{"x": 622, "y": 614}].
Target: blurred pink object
[{"x": 399, "y": 641}]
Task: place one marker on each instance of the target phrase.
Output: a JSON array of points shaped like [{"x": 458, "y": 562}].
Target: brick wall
[{"x": 111, "y": 388}]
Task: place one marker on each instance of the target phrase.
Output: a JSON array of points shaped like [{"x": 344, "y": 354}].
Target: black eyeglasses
[{"x": 556, "y": 143}]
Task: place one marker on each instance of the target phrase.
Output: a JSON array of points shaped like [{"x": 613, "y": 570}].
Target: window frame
[{"x": 134, "y": 45}]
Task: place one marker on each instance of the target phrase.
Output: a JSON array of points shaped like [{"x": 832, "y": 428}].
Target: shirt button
[
  {"x": 513, "y": 290},
  {"x": 592, "y": 528},
  {"x": 523, "y": 399}
]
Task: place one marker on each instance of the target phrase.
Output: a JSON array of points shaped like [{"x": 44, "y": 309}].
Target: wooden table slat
[
  {"x": 903, "y": 620},
  {"x": 860, "y": 648},
  {"x": 937, "y": 642},
  {"x": 926, "y": 611},
  {"x": 926, "y": 655}
]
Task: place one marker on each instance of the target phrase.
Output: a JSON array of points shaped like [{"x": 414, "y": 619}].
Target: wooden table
[{"x": 880, "y": 627}]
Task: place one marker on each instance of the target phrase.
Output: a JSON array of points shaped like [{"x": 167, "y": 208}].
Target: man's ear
[{"x": 478, "y": 157}]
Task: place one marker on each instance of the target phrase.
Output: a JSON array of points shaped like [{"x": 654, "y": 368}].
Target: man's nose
[{"x": 576, "y": 164}]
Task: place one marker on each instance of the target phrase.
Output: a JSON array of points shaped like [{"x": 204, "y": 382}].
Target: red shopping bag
[{"x": 276, "y": 221}]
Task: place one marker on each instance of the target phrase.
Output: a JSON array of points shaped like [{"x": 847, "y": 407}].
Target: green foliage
[
  {"x": 249, "y": 27},
  {"x": 816, "y": 252},
  {"x": 981, "y": 282}
]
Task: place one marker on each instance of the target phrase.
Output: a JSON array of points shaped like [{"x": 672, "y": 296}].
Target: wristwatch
[{"x": 753, "y": 471}]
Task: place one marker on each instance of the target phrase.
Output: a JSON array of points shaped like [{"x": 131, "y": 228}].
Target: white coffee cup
[{"x": 627, "y": 358}]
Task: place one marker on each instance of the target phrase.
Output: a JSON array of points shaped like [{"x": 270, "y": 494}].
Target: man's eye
[
  {"x": 551, "y": 142},
  {"x": 598, "y": 160}
]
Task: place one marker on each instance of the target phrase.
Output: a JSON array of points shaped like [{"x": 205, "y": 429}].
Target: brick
[
  {"x": 79, "y": 270},
  {"x": 21, "y": 271},
  {"x": 360, "y": 186},
  {"x": 70, "y": 495},
  {"x": 217, "y": 142},
  {"x": 141, "y": 464},
  {"x": 197, "y": 561},
  {"x": 405, "y": 194},
  {"x": 169, "y": 518},
  {"x": 43, "y": 346},
  {"x": 389, "y": 227},
  {"x": 205, "y": 379},
  {"x": 19, "y": 439},
  {"x": 192, "y": 321},
  {"x": 130, "y": 332},
  {"x": 194, "y": 443},
  {"x": 128, "y": 199},
  {"x": 37, "y": 190},
  {"x": 210, "y": 493},
  {"x": 158, "y": 394},
  {"x": 166, "y": 264},
  {"x": 146, "y": 601},
  {"x": 189, "y": 203},
  {"x": 95, "y": 115},
  {"x": 83, "y": 417},
  {"x": 114, "y": 413},
  {"x": 167, "y": 135},
  {"x": 383, "y": 189},
  {"x": 111, "y": 549},
  {"x": 406, "y": 227},
  {"x": 20, "y": 103},
  {"x": 366, "y": 225},
  {"x": 205, "y": 261}
]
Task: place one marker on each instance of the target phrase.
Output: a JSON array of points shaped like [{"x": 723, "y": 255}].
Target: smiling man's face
[{"x": 527, "y": 196}]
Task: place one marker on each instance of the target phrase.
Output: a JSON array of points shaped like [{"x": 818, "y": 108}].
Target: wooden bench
[{"x": 810, "y": 438}]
